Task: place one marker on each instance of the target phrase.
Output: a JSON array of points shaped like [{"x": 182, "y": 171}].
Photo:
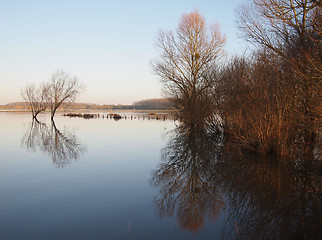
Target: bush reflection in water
[
  {"x": 61, "y": 146},
  {"x": 260, "y": 197}
]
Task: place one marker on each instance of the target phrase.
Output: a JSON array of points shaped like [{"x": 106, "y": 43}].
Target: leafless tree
[
  {"x": 277, "y": 24},
  {"x": 62, "y": 88},
  {"x": 292, "y": 30},
  {"x": 36, "y": 97},
  {"x": 186, "y": 59}
]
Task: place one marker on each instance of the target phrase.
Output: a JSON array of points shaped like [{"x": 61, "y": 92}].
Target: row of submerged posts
[{"x": 116, "y": 116}]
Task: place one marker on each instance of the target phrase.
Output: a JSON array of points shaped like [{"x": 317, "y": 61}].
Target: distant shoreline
[
  {"x": 149, "y": 104},
  {"x": 92, "y": 110}
]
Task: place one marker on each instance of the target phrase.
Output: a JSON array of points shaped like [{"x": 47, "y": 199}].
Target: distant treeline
[
  {"x": 14, "y": 106},
  {"x": 149, "y": 104},
  {"x": 153, "y": 104}
]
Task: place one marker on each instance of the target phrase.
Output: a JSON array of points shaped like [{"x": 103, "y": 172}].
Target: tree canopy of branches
[
  {"x": 187, "y": 59},
  {"x": 291, "y": 29},
  {"x": 62, "y": 88},
  {"x": 35, "y": 97}
]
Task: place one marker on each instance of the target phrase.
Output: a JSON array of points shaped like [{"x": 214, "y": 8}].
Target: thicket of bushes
[
  {"x": 262, "y": 106},
  {"x": 270, "y": 101}
]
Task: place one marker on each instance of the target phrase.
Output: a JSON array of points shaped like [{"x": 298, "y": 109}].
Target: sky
[{"x": 109, "y": 45}]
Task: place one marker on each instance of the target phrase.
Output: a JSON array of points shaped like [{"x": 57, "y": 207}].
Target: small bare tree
[
  {"x": 36, "y": 97},
  {"x": 62, "y": 88},
  {"x": 186, "y": 60}
]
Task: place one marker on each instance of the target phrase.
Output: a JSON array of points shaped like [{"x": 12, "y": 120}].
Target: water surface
[{"x": 143, "y": 179}]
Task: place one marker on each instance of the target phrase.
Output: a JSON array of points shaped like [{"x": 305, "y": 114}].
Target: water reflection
[
  {"x": 184, "y": 178},
  {"x": 259, "y": 198},
  {"x": 267, "y": 199},
  {"x": 61, "y": 146}
]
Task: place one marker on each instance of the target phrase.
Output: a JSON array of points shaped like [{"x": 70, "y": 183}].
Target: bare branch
[
  {"x": 186, "y": 57},
  {"x": 35, "y": 98},
  {"x": 63, "y": 88}
]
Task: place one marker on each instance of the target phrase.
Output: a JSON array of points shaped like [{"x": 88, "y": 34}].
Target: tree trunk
[{"x": 53, "y": 113}]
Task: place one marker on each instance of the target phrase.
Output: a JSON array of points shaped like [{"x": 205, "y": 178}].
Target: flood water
[{"x": 144, "y": 179}]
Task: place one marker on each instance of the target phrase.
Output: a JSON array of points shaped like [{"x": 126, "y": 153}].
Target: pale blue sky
[{"x": 107, "y": 44}]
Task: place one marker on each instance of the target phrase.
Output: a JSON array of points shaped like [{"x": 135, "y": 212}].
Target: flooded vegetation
[
  {"x": 116, "y": 116},
  {"x": 267, "y": 101},
  {"x": 173, "y": 181},
  {"x": 252, "y": 196},
  {"x": 233, "y": 151}
]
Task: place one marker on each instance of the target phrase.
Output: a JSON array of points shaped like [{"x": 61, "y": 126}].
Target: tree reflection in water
[
  {"x": 61, "y": 146},
  {"x": 271, "y": 199},
  {"x": 184, "y": 178},
  {"x": 263, "y": 198}
]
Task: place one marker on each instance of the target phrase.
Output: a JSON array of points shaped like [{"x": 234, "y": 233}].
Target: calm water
[{"x": 141, "y": 179}]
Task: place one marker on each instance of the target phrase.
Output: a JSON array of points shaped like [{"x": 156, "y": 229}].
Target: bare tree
[
  {"x": 186, "y": 60},
  {"x": 63, "y": 88},
  {"x": 292, "y": 30},
  {"x": 278, "y": 23},
  {"x": 35, "y": 97}
]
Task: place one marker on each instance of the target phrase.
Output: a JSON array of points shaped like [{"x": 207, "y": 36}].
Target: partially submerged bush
[{"x": 259, "y": 105}]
